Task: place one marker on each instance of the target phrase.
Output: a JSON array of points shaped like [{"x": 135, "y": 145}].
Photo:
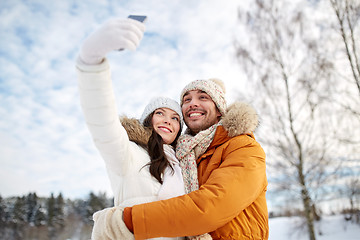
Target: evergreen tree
[
  {"x": 95, "y": 203},
  {"x": 39, "y": 216},
  {"x": 79, "y": 207},
  {"x": 31, "y": 206},
  {"x": 59, "y": 211},
  {"x": 18, "y": 218},
  {"x": 2, "y": 212},
  {"x": 19, "y": 211},
  {"x": 51, "y": 216},
  {"x": 50, "y": 205}
]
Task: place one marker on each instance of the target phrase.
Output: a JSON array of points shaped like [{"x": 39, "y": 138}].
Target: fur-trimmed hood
[
  {"x": 135, "y": 130},
  {"x": 240, "y": 118}
]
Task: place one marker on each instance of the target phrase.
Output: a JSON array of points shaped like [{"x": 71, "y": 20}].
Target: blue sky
[{"x": 44, "y": 144}]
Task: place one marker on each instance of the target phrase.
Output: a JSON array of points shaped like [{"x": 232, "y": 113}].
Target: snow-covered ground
[{"x": 331, "y": 227}]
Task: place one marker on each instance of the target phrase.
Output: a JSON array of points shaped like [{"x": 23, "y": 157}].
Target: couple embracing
[{"x": 207, "y": 183}]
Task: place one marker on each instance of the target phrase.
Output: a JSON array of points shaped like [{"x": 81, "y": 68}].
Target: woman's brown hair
[{"x": 158, "y": 160}]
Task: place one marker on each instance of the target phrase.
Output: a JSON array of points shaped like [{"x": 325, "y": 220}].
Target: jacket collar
[{"x": 240, "y": 118}]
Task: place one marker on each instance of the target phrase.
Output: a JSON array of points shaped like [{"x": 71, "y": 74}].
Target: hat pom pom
[{"x": 219, "y": 82}]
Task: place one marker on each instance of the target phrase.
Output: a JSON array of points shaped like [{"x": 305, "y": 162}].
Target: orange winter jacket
[{"x": 230, "y": 203}]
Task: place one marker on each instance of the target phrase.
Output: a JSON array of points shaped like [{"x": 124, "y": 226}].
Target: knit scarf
[{"x": 188, "y": 150}]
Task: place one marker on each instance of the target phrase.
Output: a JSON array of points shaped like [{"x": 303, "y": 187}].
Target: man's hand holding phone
[{"x": 115, "y": 34}]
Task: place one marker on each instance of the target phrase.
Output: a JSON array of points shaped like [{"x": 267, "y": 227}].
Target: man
[{"x": 230, "y": 202}]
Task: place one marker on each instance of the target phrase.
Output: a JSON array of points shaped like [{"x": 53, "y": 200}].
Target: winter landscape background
[
  {"x": 253, "y": 46},
  {"x": 33, "y": 217}
]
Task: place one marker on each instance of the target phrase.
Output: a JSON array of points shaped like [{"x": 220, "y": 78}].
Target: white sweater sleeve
[{"x": 100, "y": 111}]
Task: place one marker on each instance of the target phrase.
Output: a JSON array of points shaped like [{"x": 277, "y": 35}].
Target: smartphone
[{"x": 139, "y": 18}]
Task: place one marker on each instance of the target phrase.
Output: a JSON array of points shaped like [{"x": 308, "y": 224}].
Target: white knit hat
[
  {"x": 213, "y": 87},
  {"x": 161, "y": 102}
]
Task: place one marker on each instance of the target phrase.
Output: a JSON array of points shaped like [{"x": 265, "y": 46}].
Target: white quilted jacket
[{"x": 131, "y": 182}]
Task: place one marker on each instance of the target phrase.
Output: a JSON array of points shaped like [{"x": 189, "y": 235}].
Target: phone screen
[{"x": 139, "y": 18}]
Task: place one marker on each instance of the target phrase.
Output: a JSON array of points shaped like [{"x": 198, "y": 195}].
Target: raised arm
[{"x": 96, "y": 91}]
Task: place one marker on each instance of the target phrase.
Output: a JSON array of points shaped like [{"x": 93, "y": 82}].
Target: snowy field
[{"x": 331, "y": 227}]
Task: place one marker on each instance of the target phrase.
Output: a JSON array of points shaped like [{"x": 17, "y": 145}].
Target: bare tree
[
  {"x": 352, "y": 192},
  {"x": 287, "y": 61},
  {"x": 345, "y": 20},
  {"x": 347, "y": 13}
]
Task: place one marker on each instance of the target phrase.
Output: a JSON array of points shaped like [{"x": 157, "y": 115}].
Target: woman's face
[{"x": 166, "y": 123}]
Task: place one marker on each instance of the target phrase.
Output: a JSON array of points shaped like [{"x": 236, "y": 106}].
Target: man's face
[{"x": 199, "y": 111}]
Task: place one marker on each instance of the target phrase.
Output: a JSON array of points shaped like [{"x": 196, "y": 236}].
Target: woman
[{"x": 139, "y": 155}]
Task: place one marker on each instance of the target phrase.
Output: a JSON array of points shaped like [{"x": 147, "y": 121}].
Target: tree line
[
  {"x": 34, "y": 217},
  {"x": 55, "y": 218}
]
